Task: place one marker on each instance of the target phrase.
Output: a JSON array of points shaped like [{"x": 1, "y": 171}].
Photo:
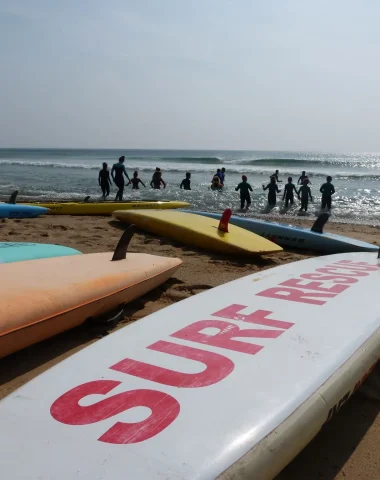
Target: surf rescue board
[
  {"x": 20, "y": 251},
  {"x": 228, "y": 384}
]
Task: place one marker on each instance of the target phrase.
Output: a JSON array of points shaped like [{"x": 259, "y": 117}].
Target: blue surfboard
[
  {"x": 19, "y": 251},
  {"x": 297, "y": 237},
  {"x": 9, "y": 210}
]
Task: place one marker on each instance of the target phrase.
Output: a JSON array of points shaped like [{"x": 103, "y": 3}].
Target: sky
[{"x": 190, "y": 74}]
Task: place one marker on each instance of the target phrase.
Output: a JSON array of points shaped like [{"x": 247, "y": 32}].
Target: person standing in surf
[
  {"x": 157, "y": 180},
  {"x": 135, "y": 181},
  {"x": 288, "y": 192},
  {"x": 272, "y": 190},
  {"x": 327, "y": 190},
  {"x": 186, "y": 182},
  {"x": 275, "y": 176},
  {"x": 222, "y": 175},
  {"x": 244, "y": 188},
  {"x": 104, "y": 181},
  {"x": 302, "y": 178},
  {"x": 305, "y": 192},
  {"x": 117, "y": 173}
]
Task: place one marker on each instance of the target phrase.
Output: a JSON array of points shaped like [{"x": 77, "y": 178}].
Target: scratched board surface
[
  {"x": 186, "y": 392},
  {"x": 297, "y": 237},
  {"x": 20, "y": 251}
]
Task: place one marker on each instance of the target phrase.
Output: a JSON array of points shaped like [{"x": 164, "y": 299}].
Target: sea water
[{"x": 42, "y": 174}]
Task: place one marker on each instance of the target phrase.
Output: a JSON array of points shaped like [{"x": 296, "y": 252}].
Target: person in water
[
  {"x": 272, "y": 190},
  {"x": 244, "y": 188},
  {"x": 104, "y": 181},
  {"x": 222, "y": 175},
  {"x": 135, "y": 181},
  {"x": 275, "y": 175},
  {"x": 219, "y": 175},
  {"x": 216, "y": 183},
  {"x": 117, "y": 173},
  {"x": 302, "y": 178},
  {"x": 288, "y": 192},
  {"x": 305, "y": 192},
  {"x": 327, "y": 190},
  {"x": 186, "y": 182},
  {"x": 157, "y": 180}
]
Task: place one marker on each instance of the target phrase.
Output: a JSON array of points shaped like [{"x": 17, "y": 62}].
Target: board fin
[
  {"x": 320, "y": 223},
  {"x": 120, "y": 252},
  {"x": 86, "y": 199},
  {"x": 223, "y": 224},
  {"x": 13, "y": 197}
]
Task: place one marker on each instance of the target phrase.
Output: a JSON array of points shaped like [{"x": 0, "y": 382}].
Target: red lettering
[
  {"x": 164, "y": 410},
  {"x": 296, "y": 295},
  {"x": 360, "y": 265},
  {"x": 330, "y": 278},
  {"x": 335, "y": 271},
  {"x": 217, "y": 367},
  {"x": 258, "y": 317},
  {"x": 224, "y": 338},
  {"x": 296, "y": 282}
]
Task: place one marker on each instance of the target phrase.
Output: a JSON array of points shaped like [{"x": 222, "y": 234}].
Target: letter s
[{"x": 164, "y": 408}]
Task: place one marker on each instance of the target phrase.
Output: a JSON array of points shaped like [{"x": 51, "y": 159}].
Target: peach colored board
[{"x": 42, "y": 298}]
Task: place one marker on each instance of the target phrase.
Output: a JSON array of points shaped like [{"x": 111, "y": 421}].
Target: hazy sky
[{"x": 223, "y": 74}]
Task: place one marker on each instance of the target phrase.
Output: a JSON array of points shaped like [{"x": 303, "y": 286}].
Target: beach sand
[{"x": 348, "y": 447}]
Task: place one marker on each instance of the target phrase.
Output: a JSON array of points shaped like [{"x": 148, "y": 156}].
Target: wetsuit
[
  {"x": 288, "y": 193},
  {"x": 156, "y": 181},
  {"x": 185, "y": 184},
  {"x": 104, "y": 182},
  {"x": 244, "y": 188},
  {"x": 273, "y": 189},
  {"x": 302, "y": 178},
  {"x": 135, "y": 183},
  {"x": 305, "y": 195},
  {"x": 119, "y": 169},
  {"x": 327, "y": 189}
]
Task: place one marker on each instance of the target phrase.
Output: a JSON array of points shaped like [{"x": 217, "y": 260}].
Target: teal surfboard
[{"x": 19, "y": 251}]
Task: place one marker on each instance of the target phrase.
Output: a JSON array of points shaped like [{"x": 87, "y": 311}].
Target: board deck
[
  {"x": 297, "y": 237},
  {"x": 20, "y": 251},
  {"x": 8, "y": 210},
  {"x": 229, "y": 384},
  {"x": 69, "y": 290},
  {"x": 199, "y": 231},
  {"x": 106, "y": 207}
]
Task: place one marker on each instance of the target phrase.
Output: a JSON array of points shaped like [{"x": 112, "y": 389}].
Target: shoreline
[{"x": 347, "y": 448}]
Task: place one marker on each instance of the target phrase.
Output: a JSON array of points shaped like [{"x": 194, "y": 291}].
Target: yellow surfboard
[
  {"x": 103, "y": 208},
  {"x": 199, "y": 231}
]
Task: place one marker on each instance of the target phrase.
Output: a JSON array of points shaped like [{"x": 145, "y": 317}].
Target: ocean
[{"x": 41, "y": 174}]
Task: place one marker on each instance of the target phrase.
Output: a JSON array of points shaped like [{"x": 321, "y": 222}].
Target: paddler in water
[
  {"x": 157, "y": 180},
  {"x": 185, "y": 184},
  {"x": 272, "y": 190},
  {"x": 216, "y": 183},
  {"x": 275, "y": 176},
  {"x": 222, "y": 175},
  {"x": 288, "y": 192},
  {"x": 302, "y": 178},
  {"x": 305, "y": 192},
  {"x": 135, "y": 181},
  {"x": 244, "y": 188},
  {"x": 117, "y": 173},
  {"x": 104, "y": 181},
  {"x": 327, "y": 190}
]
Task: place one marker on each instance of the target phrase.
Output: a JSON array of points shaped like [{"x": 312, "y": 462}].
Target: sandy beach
[{"x": 348, "y": 447}]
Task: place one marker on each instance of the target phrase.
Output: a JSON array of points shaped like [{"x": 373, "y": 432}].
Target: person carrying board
[
  {"x": 272, "y": 190},
  {"x": 244, "y": 188},
  {"x": 305, "y": 192},
  {"x": 327, "y": 190},
  {"x": 288, "y": 192}
]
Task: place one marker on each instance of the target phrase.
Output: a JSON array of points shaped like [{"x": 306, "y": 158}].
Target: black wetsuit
[
  {"x": 104, "y": 182},
  {"x": 273, "y": 189},
  {"x": 185, "y": 184},
  {"x": 305, "y": 195},
  {"x": 244, "y": 188},
  {"x": 327, "y": 189},
  {"x": 288, "y": 193},
  {"x": 119, "y": 170},
  {"x": 135, "y": 183}
]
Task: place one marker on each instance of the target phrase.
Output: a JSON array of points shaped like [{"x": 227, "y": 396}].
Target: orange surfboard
[{"x": 41, "y": 298}]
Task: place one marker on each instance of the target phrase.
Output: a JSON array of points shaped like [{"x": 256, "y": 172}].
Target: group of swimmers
[{"x": 118, "y": 172}]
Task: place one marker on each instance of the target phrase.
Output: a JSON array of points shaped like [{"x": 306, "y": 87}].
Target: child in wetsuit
[
  {"x": 305, "y": 192},
  {"x": 104, "y": 181},
  {"x": 244, "y": 188},
  {"x": 288, "y": 192},
  {"x": 216, "y": 183},
  {"x": 327, "y": 190},
  {"x": 157, "y": 180},
  {"x": 135, "y": 181},
  {"x": 186, "y": 182},
  {"x": 272, "y": 190}
]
